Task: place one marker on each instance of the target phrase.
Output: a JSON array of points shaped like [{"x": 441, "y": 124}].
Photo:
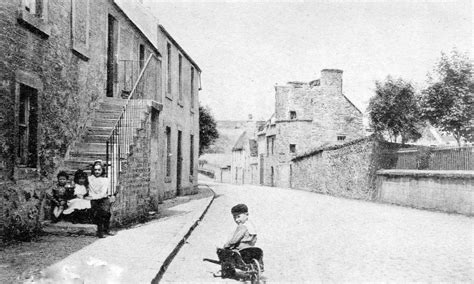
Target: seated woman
[{"x": 78, "y": 208}]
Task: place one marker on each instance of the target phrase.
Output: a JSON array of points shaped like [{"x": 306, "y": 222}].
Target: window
[
  {"x": 141, "y": 56},
  {"x": 292, "y": 148},
  {"x": 192, "y": 87},
  {"x": 191, "y": 155},
  {"x": 292, "y": 114},
  {"x": 341, "y": 137},
  {"x": 270, "y": 145},
  {"x": 168, "y": 48},
  {"x": 27, "y": 126},
  {"x": 168, "y": 151},
  {"x": 34, "y": 7},
  {"x": 180, "y": 78},
  {"x": 34, "y": 16}
]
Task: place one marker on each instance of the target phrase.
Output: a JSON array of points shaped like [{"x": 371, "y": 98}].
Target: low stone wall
[
  {"x": 346, "y": 170},
  {"x": 23, "y": 205},
  {"x": 447, "y": 191}
]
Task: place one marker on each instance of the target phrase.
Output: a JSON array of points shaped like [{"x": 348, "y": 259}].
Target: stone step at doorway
[{"x": 63, "y": 228}]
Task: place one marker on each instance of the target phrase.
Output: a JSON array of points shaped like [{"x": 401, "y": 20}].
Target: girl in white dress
[{"x": 80, "y": 202}]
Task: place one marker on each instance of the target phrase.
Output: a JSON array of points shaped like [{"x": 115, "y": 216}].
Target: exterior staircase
[{"x": 93, "y": 145}]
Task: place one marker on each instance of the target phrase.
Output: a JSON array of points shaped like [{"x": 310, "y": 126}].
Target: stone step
[
  {"x": 89, "y": 147},
  {"x": 99, "y": 130},
  {"x": 103, "y": 122},
  {"x": 96, "y": 138},
  {"x": 65, "y": 228},
  {"x": 74, "y": 165},
  {"x": 107, "y": 114},
  {"x": 87, "y": 156}
]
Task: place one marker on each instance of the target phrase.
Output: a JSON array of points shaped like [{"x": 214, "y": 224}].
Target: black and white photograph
[{"x": 236, "y": 141}]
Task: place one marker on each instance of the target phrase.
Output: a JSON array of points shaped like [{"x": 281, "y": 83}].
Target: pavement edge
[{"x": 185, "y": 233}]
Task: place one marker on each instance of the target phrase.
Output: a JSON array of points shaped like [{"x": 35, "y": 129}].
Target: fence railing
[
  {"x": 437, "y": 158},
  {"x": 145, "y": 86}
]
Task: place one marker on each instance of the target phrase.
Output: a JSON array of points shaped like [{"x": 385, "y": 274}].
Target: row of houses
[
  {"x": 88, "y": 80},
  {"x": 307, "y": 115}
]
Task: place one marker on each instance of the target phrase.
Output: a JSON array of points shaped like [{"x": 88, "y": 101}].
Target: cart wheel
[{"x": 258, "y": 271}]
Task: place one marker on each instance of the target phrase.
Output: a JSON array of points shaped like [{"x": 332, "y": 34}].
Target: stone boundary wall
[
  {"x": 447, "y": 191},
  {"x": 346, "y": 170}
]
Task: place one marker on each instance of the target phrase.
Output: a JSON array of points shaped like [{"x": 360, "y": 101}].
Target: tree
[
  {"x": 395, "y": 111},
  {"x": 207, "y": 129},
  {"x": 448, "y": 100}
]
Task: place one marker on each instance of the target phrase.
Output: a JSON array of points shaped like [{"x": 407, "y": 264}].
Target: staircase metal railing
[{"x": 121, "y": 137}]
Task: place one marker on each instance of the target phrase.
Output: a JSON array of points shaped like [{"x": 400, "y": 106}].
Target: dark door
[
  {"x": 272, "y": 176},
  {"x": 179, "y": 163},
  {"x": 262, "y": 171},
  {"x": 111, "y": 51}
]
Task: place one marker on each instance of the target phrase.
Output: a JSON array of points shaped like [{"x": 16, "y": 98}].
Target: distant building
[
  {"x": 244, "y": 168},
  {"x": 307, "y": 115}
]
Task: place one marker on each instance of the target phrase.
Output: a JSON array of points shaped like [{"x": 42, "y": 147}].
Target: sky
[{"x": 245, "y": 48}]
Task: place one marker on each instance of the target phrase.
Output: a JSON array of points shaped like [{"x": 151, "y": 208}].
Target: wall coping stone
[{"x": 427, "y": 173}]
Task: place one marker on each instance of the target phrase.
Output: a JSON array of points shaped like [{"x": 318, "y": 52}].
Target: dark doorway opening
[
  {"x": 111, "y": 51},
  {"x": 179, "y": 164}
]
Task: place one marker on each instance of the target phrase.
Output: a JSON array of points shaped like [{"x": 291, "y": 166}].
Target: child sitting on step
[{"x": 61, "y": 193}]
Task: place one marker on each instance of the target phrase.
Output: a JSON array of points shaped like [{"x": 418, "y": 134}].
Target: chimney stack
[{"x": 331, "y": 80}]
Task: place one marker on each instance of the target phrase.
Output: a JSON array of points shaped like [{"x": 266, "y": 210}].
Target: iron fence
[
  {"x": 145, "y": 86},
  {"x": 437, "y": 158}
]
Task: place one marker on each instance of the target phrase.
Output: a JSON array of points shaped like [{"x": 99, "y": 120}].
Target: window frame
[
  {"x": 192, "y": 89},
  {"x": 293, "y": 148},
  {"x": 293, "y": 115},
  {"x": 36, "y": 23},
  {"x": 32, "y": 81},
  {"x": 180, "y": 79},
  {"x": 169, "y": 81},
  {"x": 168, "y": 152}
]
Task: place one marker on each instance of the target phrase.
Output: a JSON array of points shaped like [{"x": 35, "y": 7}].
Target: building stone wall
[
  {"x": 63, "y": 55},
  {"x": 180, "y": 113},
  {"x": 347, "y": 170},
  {"x": 308, "y": 115}
]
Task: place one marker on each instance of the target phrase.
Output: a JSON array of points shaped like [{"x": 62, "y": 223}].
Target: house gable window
[
  {"x": 292, "y": 114},
  {"x": 292, "y": 148}
]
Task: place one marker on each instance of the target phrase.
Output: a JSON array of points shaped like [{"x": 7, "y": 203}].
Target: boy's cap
[{"x": 239, "y": 209}]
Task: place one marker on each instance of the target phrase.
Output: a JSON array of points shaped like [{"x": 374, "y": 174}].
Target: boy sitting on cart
[{"x": 244, "y": 237}]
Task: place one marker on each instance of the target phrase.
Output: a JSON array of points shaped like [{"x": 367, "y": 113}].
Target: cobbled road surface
[{"x": 309, "y": 237}]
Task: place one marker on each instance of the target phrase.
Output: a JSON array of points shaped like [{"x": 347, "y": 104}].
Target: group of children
[{"x": 84, "y": 200}]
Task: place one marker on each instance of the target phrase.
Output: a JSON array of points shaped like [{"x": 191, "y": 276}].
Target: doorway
[
  {"x": 272, "y": 177},
  {"x": 111, "y": 52},
  {"x": 179, "y": 164}
]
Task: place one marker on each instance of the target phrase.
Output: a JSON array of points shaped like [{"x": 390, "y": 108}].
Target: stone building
[
  {"x": 67, "y": 69},
  {"x": 307, "y": 115}
]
